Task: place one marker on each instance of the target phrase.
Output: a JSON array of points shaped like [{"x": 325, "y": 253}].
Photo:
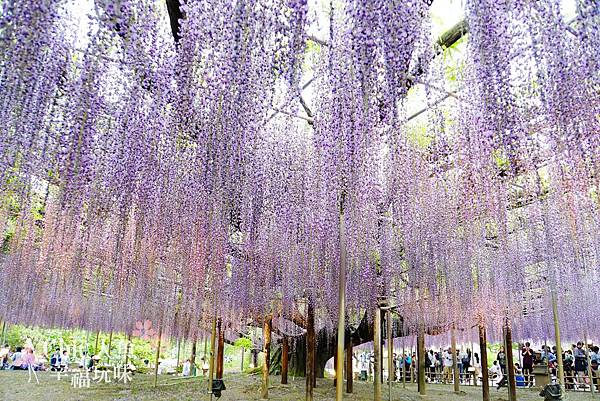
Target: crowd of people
[
  {"x": 24, "y": 358},
  {"x": 439, "y": 366}
]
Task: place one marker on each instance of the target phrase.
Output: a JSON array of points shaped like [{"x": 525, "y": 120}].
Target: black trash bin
[
  {"x": 552, "y": 392},
  {"x": 217, "y": 386}
]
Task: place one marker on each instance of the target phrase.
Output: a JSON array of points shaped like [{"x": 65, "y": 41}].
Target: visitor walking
[
  {"x": 432, "y": 364},
  {"x": 465, "y": 364},
  {"x": 501, "y": 358},
  {"x": 447, "y": 358},
  {"x": 187, "y": 368},
  {"x": 29, "y": 363},
  {"x": 568, "y": 366},
  {"x": 476, "y": 367},
  {"x": 580, "y": 364}
]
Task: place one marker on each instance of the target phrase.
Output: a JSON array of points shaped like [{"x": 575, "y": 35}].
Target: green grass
[{"x": 240, "y": 387}]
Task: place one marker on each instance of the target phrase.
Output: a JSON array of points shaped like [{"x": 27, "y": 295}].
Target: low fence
[{"x": 573, "y": 382}]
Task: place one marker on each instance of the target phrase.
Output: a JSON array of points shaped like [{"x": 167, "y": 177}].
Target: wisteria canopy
[{"x": 151, "y": 174}]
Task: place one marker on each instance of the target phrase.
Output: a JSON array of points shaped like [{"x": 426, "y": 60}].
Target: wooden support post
[
  {"x": 310, "y": 351},
  {"x": 285, "y": 347},
  {"x": 193, "y": 356},
  {"x": 267, "y": 356},
  {"x": 589, "y": 365},
  {"x": 349, "y": 370},
  {"x": 510, "y": 364},
  {"x": 220, "y": 349},
  {"x": 403, "y": 365},
  {"x": 339, "y": 365},
  {"x": 484, "y": 364},
  {"x": 335, "y": 359},
  {"x": 127, "y": 350},
  {"x": 3, "y": 330},
  {"x": 109, "y": 345},
  {"x": 156, "y": 363},
  {"x": 421, "y": 359},
  {"x": 455, "y": 361},
  {"x": 390, "y": 349},
  {"x": 178, "y": 353},
  {"x": 254, "y": 353},
  {"x": 559, "y": 358},
  {"x": 211, "y": 365},
  {"x": 377, "y": 355},
  {"x": 96, "y": 345}
]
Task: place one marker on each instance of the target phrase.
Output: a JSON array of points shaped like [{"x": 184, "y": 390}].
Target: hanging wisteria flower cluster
[{"x": 148, "y": 179}]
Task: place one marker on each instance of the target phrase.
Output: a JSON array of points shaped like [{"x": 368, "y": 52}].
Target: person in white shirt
[
  {"x": 431, "y": 367},
  {"x": 447, "y": 359},
  {"x": 85, "y": 359},
  {"x": 363, "y": 366},
  {"x": 64, "y": 361},
  {"x": 496, "y": 371},
  {"x": 187, "y": 367},
  {"x": 476, "y": 366}
]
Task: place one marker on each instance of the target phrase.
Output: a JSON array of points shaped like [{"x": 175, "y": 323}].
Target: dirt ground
[{"x": 240, "y": 387}]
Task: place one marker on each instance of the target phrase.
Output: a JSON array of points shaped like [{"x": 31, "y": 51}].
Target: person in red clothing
[{"x": 527, "y": 354}]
